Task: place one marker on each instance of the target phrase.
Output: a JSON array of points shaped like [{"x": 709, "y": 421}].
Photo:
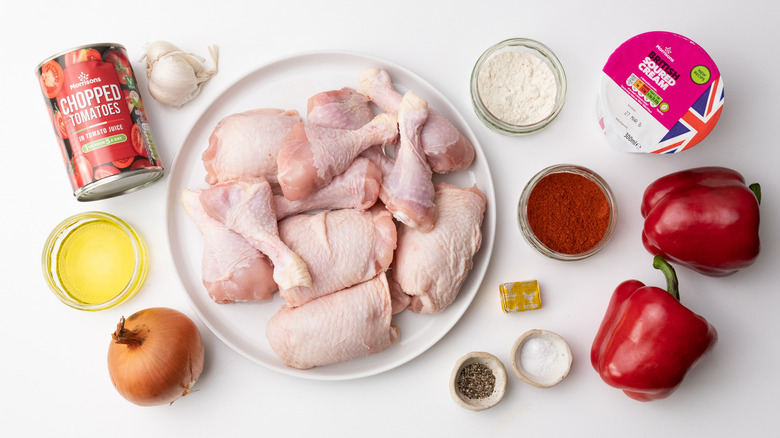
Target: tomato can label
[{"x": 100, "y": 121}]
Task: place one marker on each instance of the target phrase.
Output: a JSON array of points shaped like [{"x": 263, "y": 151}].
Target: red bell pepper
[
  {"x": 648, "y": 341},
  {"x": 705, "y": 219}
]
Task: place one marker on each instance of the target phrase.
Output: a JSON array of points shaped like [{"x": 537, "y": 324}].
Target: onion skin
[{"x": 155, "y": 356}]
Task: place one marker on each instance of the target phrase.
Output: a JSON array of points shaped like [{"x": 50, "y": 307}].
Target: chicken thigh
[
  {"x": 341, "y": 248},
  {"x": 246, "y": 145},
  {"x": 231, "y": 269},
  {"x": 313, "y": 155},
  {"x": 246, "y": 207},
  {"x": 343, "y": 109},
  {"x": 409, "y": 186},
  {"x": 344, "y": 325},
  {"x": 431, "y": 267},
  {"x": 446, "y": 149}
]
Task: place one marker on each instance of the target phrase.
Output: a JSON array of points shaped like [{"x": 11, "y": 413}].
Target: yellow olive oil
[{"x": 95, "y": 262}]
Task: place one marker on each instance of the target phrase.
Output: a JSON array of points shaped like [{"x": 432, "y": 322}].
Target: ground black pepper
[{"x": 476, "y": 381}]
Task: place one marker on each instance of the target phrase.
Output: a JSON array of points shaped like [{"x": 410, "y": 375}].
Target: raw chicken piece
[
  {"x": 232, "y": 269},
  {"x": 246, "y": 145},
  {"x": 343, "y": 109},
  {"x": 313, "y": 155},
  {"x": 409, "y": 187},
  {"x": 341, "y": 248},
  {"x": 385, "y": 164},
  {"x": 377, "y": 86},
  {"x": 431, "y": 267},
  {"x": 358, "y": 187},
  {"x": 378, "y": 156},
  {"x": 246, "y": 207},
  {"x": 400, "y": 300},
  {"x": 445, "y": 147},
  {"x": 344, "y": 325}
]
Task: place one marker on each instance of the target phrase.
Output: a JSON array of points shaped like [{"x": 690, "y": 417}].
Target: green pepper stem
[
  {"x": 756, "y": 189},
  {"x": 672, "y": 285}
]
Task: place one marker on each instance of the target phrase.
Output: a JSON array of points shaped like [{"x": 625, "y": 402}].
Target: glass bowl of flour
[{"x": 518, "y": 86}]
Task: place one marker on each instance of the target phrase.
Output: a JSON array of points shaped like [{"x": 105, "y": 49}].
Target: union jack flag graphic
[{"x": 696, "y": 123}]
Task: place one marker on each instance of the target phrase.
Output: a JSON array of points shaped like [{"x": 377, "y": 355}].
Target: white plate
[{"x": 288, "y": 83}]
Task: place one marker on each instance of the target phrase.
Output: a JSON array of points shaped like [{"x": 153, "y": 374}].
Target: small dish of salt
[{"x": 541, "y": 358}]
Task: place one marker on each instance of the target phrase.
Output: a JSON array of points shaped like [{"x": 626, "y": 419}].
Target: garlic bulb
[{"x": 175, "y": 77}]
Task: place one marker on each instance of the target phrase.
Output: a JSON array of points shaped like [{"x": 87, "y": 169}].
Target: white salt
[{"x": 543, "y": 359}]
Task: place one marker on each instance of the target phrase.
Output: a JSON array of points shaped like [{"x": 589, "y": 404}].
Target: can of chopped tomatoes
[{"x": 100, "y": 122}]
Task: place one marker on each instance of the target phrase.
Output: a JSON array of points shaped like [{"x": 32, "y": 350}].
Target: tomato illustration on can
[{"x": 99, "y": 120}]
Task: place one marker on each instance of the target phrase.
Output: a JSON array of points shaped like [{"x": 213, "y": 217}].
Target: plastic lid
[{"x": 660, "y": 93}]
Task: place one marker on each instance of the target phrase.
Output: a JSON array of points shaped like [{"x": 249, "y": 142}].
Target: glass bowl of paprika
[{"x": 567, "y": 212}]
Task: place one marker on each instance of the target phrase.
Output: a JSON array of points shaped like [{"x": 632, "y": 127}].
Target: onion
[{"x": 155, "y": 356}]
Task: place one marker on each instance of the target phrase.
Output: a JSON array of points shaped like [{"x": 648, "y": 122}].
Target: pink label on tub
[{"x": 665, "y": 73}]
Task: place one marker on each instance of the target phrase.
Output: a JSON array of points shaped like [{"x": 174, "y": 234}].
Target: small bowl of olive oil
[{"x": 94, "y": 261}]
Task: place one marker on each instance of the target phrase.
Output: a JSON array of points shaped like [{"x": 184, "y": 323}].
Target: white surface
[
  {"x": 54, "y": 357},
  {"x": 288, "y": 83}
]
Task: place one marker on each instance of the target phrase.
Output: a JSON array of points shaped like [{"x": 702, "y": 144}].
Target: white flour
[{"x": 517, "y": 87}]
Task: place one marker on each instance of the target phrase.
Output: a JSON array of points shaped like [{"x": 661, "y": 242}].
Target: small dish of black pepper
[{"x": 478, "y": 381}]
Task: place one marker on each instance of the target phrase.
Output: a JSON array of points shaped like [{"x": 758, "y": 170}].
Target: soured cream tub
[{"x": 660, "y": 93}]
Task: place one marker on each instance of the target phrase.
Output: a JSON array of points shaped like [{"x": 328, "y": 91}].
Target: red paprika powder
[{"x": 568, "y": 212}]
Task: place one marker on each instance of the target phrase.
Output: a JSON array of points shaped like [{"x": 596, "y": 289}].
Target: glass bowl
[
  {"x": 524, "y": 45},
  {"x": 525, "y": 226},
  {"x": 94, "y": 261}
]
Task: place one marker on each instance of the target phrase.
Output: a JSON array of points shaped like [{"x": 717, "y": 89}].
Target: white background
[{"x": 53, "y": 363}]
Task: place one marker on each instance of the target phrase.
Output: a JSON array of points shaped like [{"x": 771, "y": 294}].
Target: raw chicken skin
[
  {"x": 385, "y": 164},
  {"x": 342, "y": 326},
  {"x": 341, "y": 248},
  {"x": 246, "y": 145},
  {"x": 343, "y": 109},
  {"x": 246, "y": 207},
  {"x": 358, "y": 187},
  {"x": 232, "y": 269},
  {"x": 313, "y": 155},
  {"x": 431, "y": 267},
  {"x": 377, "y": 86},
  {"x": 400, "y": 300},
  {"x": 409, "y": 186},
  {"x": 446, "y": 149}
]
